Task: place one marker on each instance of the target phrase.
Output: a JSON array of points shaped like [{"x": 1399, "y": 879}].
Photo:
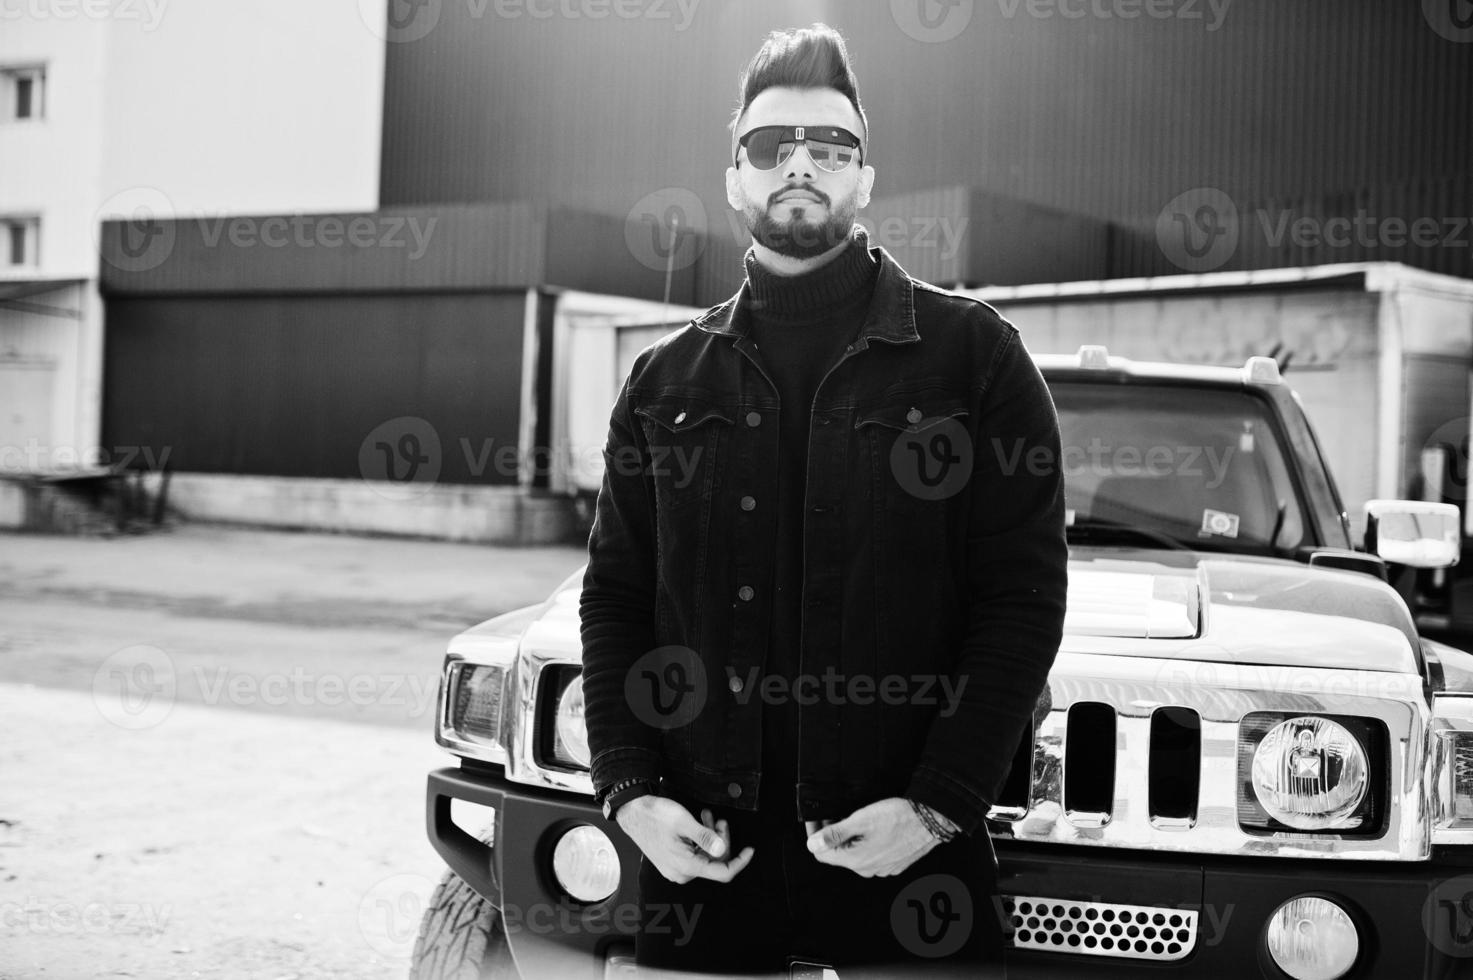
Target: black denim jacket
[{"x": 935, "y": 564}]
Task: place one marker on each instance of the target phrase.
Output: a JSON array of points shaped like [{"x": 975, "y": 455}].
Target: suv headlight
[
  {"x": 472, "y": 701},
  {"x": 1452, "y": 755},
  {"x": 1309, "y": 773},
  {"x": 570, "y": 735}
]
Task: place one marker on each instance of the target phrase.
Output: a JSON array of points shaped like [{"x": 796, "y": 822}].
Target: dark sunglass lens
[{"x": 762, "y": 149}]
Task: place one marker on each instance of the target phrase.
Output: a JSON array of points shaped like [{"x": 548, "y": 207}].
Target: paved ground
[{"x": 213, "y": 745}]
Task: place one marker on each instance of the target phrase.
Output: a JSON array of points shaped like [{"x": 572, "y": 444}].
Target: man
[{"x": 826, "y": 577}]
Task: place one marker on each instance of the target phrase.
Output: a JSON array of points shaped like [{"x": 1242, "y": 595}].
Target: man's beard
[{"x": 801, "y": 239}]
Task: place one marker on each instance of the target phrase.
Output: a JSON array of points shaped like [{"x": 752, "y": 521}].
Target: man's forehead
[{"x": 783, "y": 106}]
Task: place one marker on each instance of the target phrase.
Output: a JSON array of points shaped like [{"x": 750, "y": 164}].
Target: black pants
[{"x": 937, "y": 918}]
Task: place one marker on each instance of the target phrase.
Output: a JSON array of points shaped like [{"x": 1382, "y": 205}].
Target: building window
[
  {"x": 22, "y": 93},
  {"x": 20, "y": 242}
]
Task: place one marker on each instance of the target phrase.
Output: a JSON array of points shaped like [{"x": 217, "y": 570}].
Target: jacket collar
[{"x": 891, "y": 316}]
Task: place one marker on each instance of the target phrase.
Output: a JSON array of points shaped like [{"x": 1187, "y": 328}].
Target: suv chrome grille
[{"x": 1140, "y": 932}]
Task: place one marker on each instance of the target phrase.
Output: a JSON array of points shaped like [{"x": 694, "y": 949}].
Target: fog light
[
  {"x": 586, "y": 864},
  {"x": 1313, "y": 939}
]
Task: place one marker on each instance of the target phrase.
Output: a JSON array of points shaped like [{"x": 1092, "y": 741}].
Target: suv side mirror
[{"x": 1415, "y": 533}]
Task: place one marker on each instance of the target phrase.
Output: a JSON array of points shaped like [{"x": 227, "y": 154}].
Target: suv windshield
[{"x": 1175, "y": 466}]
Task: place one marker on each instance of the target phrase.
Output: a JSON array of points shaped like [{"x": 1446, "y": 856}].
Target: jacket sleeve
[
  {"x": 617, "y": 605},
  {"x": 1016, "y": 567}
]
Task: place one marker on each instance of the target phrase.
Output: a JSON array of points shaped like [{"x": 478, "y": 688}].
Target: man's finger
[
  {"x": 726, "y": 870},
  {"x": 830, "y": 837},
  {"x": 704, "y": 838}
]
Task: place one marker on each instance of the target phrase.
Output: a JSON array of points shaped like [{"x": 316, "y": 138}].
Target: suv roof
[{"x": 1092, "y": 357}]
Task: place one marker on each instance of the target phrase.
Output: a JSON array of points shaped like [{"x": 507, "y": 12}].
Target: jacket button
[
  {"x": 680, "y": 418},
  {"x": 746, "y": 592},
  {"x": 748, "y": 503},
  {"x": 913, "y": 416},
  {"x": 735, "y": 684},
  {"x": 754, "y": 419},
  {"x": 733, "y": 790}
]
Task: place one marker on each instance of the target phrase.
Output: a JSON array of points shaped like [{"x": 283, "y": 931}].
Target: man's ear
[
  {"x": 733, "y": 188},
  {"x": 866, "y": 184}
]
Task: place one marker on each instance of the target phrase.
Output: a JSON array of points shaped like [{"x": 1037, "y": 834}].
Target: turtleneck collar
[{"x": 839, "y": 280}]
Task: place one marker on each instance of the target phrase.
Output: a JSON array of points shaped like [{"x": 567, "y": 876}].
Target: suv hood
[{"x": 1235, "y": 609}]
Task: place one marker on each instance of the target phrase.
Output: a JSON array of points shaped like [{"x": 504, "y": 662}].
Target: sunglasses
[{"x": 831, "y": 148}]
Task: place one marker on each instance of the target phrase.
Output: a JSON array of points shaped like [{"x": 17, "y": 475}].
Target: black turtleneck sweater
[{"x": 800, "y": 325}]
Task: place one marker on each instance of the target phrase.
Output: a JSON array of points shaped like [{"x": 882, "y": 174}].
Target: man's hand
[
  {"x": 881, "y": 839},
  {"x": 680, "y": 848}
]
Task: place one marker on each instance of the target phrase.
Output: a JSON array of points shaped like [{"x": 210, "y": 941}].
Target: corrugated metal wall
[
  {"x": 296, "y": 385},
  {"x": 1103, "y": 114}
]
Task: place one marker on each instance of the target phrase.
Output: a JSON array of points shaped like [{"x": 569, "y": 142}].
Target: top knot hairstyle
[{"x": 805, "y": 57}]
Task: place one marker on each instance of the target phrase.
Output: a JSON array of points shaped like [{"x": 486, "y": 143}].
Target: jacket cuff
[
  {"x": 612, "y": 765},
  {"x": 949, "y": 798}
]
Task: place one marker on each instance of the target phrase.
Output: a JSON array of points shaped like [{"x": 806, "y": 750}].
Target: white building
[{"x": 152, "y": 108}]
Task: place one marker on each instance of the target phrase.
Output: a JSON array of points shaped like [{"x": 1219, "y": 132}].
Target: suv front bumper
[{"x": 553, "y": 935}]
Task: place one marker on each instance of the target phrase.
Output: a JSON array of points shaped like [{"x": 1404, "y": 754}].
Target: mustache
[{"x": 805, "y": 188}]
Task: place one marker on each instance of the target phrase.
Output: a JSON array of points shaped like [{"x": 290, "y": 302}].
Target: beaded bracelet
[
  {"x": 622, "y": 785},
  {"x": 932, "y": 822}
]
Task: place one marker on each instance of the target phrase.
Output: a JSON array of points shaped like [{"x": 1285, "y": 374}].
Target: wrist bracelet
[{"x": 932, "y": 822}]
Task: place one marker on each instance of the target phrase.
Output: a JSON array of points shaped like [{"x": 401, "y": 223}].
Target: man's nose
[{"x": 796, "y": 166}]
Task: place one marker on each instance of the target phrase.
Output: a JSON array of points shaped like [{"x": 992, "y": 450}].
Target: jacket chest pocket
[
  {"x": 919, "y": 446},
  {"x": 684, "y": 435}
]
